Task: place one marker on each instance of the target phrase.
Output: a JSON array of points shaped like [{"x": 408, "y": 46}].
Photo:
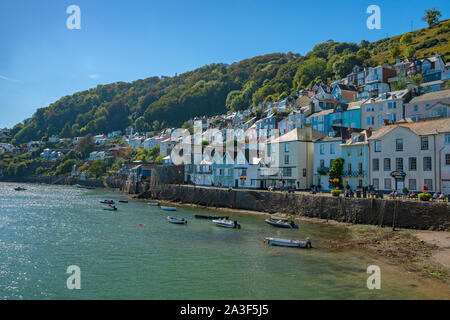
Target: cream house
[
  {"x": 407, "y": 155},
  {"x": 291, "y": 158}
]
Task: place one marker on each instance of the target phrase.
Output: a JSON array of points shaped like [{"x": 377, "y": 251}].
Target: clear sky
[{"x": 41, "y": 60}]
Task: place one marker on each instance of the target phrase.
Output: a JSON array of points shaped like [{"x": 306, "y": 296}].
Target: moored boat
[
  {"x": 110, "y": 207},
  {"x": 153, "y": 204},
  {"x": 281, "y": 223},
  {"x": 226, "y": 223},
  {"x": 168, "y": 208},
  {"x": 177, "y": 220},
  {"x": 20, "y": 189},
  {"x": 289, "y": 243},
  {"x": 107, "y": 201},
  {"x": 123, "y": 201},
  {"x": 201, "y": 216}
]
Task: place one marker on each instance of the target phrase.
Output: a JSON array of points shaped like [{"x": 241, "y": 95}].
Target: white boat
[
  {"x": 169, "y": 208},
  {"x": 177, "y": 220},
  {"x": 289, "y": 243},
  {"x": 226, "y": 223},
  {"x": 281, "y": 223},
  {"x": 153, "y": 204}
]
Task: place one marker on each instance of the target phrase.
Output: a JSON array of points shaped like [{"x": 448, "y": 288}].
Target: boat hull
[
  {"x": 226, "y": 224},
  {"x": 288, "y": 243},
  {"x": 281, "y": 224},
  {"x": 176, "y": 220},
  {"x": 169, "y": 208}
]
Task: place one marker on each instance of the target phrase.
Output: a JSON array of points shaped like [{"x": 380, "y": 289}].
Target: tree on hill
[{"x": 432, "y": 16}]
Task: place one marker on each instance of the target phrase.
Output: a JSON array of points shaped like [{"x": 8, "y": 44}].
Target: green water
[{"x": 45, "y": 229}]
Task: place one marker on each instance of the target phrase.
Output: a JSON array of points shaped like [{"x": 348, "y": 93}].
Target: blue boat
[
  {"x": 227, "y": 223},
  {"x": 169, "y": 208},
  {"x": 177, "y": 220},
  {"x": 281, "y": 223},
  {"x": 107, "y": 201},
  {"x": 289, "y": 243}
]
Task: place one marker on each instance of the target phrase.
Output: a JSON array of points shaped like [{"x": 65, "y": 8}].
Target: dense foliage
[{"x": 157, "y": 102}]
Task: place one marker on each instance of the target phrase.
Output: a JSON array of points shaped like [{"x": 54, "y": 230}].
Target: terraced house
[{"x": 408, "y": 156}]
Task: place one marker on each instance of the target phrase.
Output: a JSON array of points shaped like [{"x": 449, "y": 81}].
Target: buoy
[
  {"x": 140, "y": 224},
  {"x": 397, "y": 237}
]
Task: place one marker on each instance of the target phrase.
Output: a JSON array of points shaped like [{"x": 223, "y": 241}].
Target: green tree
[
  {"x": 406, "y": 38},
  {"x": 395, "y": 52},
  {"x": 337, "y": 166},
  {"x": 85, "y": 145},
  {"x": 344, "y": 65},
  {"x": 65, "y": 167},
  {"x": 97, "y": 169},
  {"x": 432, "y": 16},
  {"x": 410, "y": 52}
]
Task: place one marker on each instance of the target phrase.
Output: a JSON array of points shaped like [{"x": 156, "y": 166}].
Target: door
[{"x": 236, "y": 183}]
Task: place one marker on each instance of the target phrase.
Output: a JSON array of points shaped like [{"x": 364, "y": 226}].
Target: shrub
[
  {"x": 335, "y": 193},
  {"x": 424, "y": 196},
  {"x": 405, "y": 190}
]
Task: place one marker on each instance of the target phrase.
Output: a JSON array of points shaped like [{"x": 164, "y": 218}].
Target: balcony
[{"x": 354, "y": 173}]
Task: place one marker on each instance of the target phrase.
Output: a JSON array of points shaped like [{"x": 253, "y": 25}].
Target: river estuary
[{"x": 134, "y": 253}]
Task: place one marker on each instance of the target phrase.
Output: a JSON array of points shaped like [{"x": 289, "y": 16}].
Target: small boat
[
  {"x": 110, "y": 207},
  {"x": 79, "y": 186},
  {"x": 20, "y": 189},
  {"x": 123, "y": 201},
  {"x": 107, "y": 201},
  {"x": 201, "y": 216},
  {"x": 289, "y": 243},
  {"x": 89, "y": 188},
  {"x": 168, "y": 208},
  {"x": 281, "y": 223},
  {"x": 226, "y": 223},
  {"x": 177, "y": 220},
  {"x": 153, "y": 204}
]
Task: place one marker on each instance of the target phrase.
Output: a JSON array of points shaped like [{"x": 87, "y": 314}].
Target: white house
[
  {"x": 96, "y": 155},
  {"x": 407, "y": 155},
  {"x": 444, "y": 159},
  {"x": 326, "y": 149},
  {"x": 50, "y": 155},
  {"x": 247, "y": 170}
]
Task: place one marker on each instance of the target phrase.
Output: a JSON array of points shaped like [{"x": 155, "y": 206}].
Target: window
[
  {"x": 332, "y": 148},
  {"x": 387, "y": 183},
  {"x": 426, "y": 163},
  {"x": 376, "y": 164},
  {"x": 387, "y": 164},
  {"x": 429, "y": 183},
  {"x": 349, "y": 168},
  {"x": 376, "y": 183},
  {"x": 416, "y": 108},
  {"x": 412, "y": 164},
  {"x": 322, "y": 149},
  {"x": 304, "y": 172},
  {"x": 412, "y": 184},
  {"x": 399, "y": 163},
  {"x": 286, "y": 159},
  {"x": 399, "y": 145},
  {"x": 286, "y": 147},
  {"x": 244, "y": 172},
  {"x": 447, "y": 159},
  {"x": 377, "y": 146},
  {"x": 424, "y": 143},
  {"x": 322, "y": 163},
  {"x": 360, "y": 168},
  {"x": 447, "y": 138},
  {"x": 268, "y": 150},
  {"x": 287, "y": 172},
  {"x": 221, "y": 172}
]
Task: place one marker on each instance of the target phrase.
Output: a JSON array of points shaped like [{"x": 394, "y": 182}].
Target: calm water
[{"x": 47, "y": 228}]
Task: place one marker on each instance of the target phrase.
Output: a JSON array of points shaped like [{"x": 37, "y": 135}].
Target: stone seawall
[{"x": 403, "y": 214}]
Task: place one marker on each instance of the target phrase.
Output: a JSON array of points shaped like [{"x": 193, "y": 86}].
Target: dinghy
[
  {"x": 110, "y": 207},
  {"x": 153, "y": 204},
  {"x": 226, "y": 223},
  {"x": 168, "y": 208},
  {"x": 20, "y": 189},
  {"x": 289, "y": 243},
  {"x": 177, "y": 220},
  {"x": 281, "y": 223},
  {"x": 107, "y": 201},
  {"x": 123, "y": 201}
]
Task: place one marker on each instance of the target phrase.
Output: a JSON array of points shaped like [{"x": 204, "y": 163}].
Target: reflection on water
[{"x": 45, "y": 229}]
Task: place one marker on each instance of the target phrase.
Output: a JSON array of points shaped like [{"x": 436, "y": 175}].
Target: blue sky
[{"x": 41, "y": 60}]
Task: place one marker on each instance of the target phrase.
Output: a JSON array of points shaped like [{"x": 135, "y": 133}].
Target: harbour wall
[{"x": 383, "y": 212}]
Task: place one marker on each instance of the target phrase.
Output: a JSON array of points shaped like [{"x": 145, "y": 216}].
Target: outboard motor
[{"x": 308, "y": 242}]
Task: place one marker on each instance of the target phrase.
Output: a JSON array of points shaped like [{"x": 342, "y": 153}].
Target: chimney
[{"x": 307, "y": 132}]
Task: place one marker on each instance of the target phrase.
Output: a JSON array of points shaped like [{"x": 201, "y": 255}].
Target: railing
[{"x": 354, "y": 173}]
